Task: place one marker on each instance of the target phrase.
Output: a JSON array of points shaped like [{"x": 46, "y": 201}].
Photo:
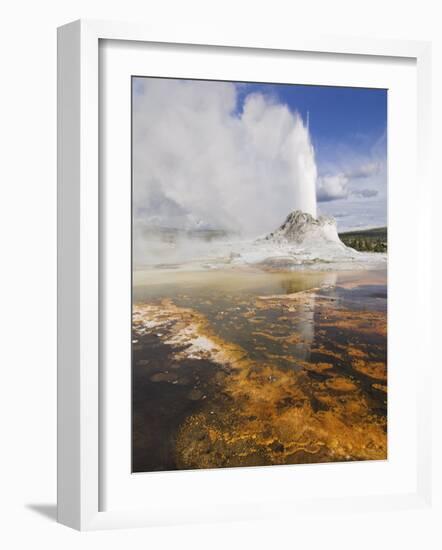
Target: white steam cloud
[{"x": 198, "y": 162}]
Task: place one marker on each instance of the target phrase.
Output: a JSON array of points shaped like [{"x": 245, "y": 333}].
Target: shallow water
[{"x": 305, "y": 381}]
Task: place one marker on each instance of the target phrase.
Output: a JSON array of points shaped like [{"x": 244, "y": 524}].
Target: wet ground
[{"x": 251, "y": 368}]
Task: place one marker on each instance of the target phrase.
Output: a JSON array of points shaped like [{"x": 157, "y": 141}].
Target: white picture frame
[{"x": 79, "y": 275}]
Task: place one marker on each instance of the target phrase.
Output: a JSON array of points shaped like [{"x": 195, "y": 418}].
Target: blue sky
[{"x": 354, "y": 117}]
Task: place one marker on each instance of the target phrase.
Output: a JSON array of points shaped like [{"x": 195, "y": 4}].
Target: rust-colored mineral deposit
[{"x": 303, "y": 381}]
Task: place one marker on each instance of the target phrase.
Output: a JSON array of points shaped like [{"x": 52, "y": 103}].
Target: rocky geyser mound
[{"x": 302, "y": 228}]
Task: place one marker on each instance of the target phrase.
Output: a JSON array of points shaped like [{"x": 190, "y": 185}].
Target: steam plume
[{"x": 200, "y": 162}]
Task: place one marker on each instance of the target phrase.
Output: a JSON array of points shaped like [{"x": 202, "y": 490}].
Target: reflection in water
[
  {"x": 304, "y": 327},
  {"x": 253, "y": 368}
]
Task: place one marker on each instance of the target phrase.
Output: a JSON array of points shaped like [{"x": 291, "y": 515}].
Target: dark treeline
[{"x": 366, "y": 240}]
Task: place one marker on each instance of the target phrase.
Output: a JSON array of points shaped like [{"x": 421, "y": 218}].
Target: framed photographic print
[{"x": 234, "y": 237}]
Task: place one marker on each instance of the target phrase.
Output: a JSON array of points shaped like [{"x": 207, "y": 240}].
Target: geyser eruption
[
  {"x": 302, "y": 168},
  {"x": 206, "y": 158}
]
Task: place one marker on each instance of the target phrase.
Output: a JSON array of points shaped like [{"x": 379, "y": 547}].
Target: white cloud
[
  {"x": 330, "y": 188},
  {"x": 365, "y": 193},
  {"x": 360, "y": 201},
  {"x": 195, "y": 159},
  {"x": 344, "y": 181},
  {"x": 357, "y": 186},
  {"x": 340, "y": 186},
  {"x": 364, "y": 170},
  {"x": 355, "y": 192}
]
